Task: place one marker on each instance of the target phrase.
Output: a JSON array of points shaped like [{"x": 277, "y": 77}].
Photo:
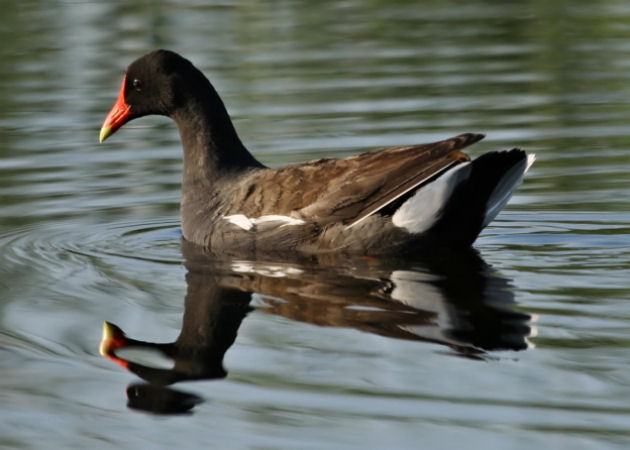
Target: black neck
[{"x": 212, "y": 149}]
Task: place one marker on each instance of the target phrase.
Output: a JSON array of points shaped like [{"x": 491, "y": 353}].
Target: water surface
[{"x": 523, "y": 342}]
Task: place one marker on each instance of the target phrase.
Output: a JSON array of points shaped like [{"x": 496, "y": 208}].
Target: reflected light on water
[
  {"x": 460, "y": 305},
  {"x": 334, "y": 354}
]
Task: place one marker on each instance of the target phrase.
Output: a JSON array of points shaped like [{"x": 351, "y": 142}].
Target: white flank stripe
[
  {"x": 505, "y": 188},
  {"x": 272, "y": 220},
  {"x": 283, "y": 220},
  {"x": 240, "y": 220},
  {"x": 420, "y": 212}
]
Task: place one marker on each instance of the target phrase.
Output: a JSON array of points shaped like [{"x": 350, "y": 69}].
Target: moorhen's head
[{"x": 159, "y": 82}]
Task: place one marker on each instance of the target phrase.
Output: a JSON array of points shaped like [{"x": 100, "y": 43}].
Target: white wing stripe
[{"x": 244, "y": 222}]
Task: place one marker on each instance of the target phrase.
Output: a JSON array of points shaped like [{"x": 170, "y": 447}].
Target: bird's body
[{"x": 393, "y": 201}]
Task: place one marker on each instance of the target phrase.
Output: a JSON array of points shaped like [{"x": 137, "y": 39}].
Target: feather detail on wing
[{"x": 348, "y": 190}]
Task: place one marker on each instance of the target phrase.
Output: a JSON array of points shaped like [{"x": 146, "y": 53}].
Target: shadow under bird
[
  {"x": 399, "y": 200},
  {"x": 457, "y": 302}
]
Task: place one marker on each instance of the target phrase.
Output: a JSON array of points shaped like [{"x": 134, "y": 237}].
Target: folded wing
[{"x": 348, "y": 190}]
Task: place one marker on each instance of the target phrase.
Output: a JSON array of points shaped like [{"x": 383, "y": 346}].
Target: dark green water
[{"x": 525, "y": 345}]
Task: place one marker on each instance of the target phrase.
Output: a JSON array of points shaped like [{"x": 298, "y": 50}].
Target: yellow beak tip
[
  {"x": 108, "y": 330},
  {"x": 108, "y": 334},
  {"x": 105, "y": 133}
]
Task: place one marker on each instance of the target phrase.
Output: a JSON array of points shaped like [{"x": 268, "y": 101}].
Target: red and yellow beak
[
  {"x": 112, "y": 340},
  {"x": 117, "y": 117}
]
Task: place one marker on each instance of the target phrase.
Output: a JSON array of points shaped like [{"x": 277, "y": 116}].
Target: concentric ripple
[
  {"x": 62, "y": 276},
  {"x": 55, "y": 244}
]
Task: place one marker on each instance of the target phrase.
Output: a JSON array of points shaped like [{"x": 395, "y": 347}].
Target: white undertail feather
[
  {"x": 505, "y": 188},
  {"x": 530, "y": 160},
  {"x": 390, "y": 200},
  {"x": 269, "y": 221},
  {"x": 420, "y": 212}
]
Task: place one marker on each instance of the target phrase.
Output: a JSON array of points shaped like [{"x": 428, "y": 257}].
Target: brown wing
[{"x": 350, "y": 189}]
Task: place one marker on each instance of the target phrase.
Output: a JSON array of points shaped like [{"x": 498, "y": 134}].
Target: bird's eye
[{"x": 137, "y": 84}]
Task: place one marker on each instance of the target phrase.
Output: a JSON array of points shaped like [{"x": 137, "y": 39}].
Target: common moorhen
[{"x": 399, "y": 200}]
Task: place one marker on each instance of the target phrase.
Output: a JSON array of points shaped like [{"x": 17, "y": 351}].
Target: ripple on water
[
  {"x": 59, "y": 275},
  {"x": 42, "y": 245}
]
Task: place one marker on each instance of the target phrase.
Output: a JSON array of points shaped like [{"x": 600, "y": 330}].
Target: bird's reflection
[{"x": 452, "y": 299}]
